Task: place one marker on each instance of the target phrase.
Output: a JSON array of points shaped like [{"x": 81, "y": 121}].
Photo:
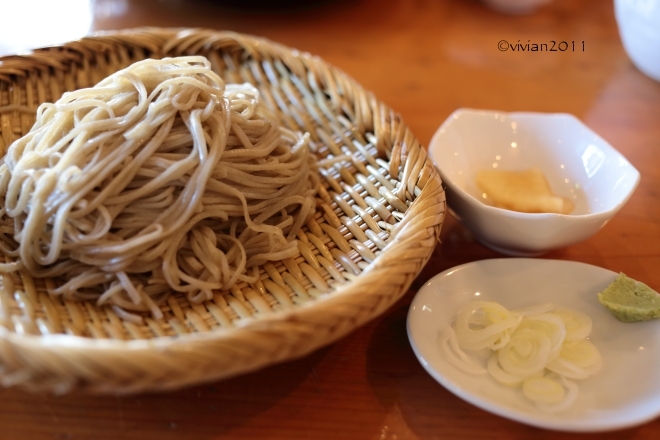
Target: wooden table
[{"x": 424, "y": 58}]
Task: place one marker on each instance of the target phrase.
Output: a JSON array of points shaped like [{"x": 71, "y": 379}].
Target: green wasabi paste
[{"x": 630, "y": 300}]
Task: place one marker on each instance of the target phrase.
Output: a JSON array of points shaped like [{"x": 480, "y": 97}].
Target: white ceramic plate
[{"x": 624, "y": 393}]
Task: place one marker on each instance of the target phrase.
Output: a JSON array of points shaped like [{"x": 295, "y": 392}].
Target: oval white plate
[{"x": 624, "y": 393}]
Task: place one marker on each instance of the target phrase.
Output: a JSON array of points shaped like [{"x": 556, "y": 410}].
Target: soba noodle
[{"x": 159, "y": 178}]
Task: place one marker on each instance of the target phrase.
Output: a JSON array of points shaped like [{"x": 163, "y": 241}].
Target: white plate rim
[{"x": 574, "y": 425}]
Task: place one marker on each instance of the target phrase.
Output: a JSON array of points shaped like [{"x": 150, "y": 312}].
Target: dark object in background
[{"x": 257, "y": 6}]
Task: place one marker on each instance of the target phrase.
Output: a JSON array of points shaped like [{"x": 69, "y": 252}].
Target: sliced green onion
[
  {"x": 578, "y": 324},
  {"x": 526, "y": 353},
  {"x": 543, "y": 390},
  {"x": 455, "y": 355},
  {"x": 577, "y": 360},
  {"x": 538, "y": 348},
  {"x": 483, "y": 324}
]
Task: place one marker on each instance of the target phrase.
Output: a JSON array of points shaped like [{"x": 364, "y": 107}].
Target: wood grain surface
[{"x": 425, "y": 58}]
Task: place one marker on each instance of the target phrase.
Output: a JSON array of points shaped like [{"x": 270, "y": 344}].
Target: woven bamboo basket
[{"x": 378, "y": 219}]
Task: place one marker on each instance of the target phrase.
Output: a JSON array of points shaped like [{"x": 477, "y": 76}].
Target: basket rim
[
  {"x": 250, "y": 323},
  {"x": 13, "y": 65}
]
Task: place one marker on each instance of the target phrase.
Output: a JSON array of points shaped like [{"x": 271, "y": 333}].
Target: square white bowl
[{"x": 577, "y": 162}]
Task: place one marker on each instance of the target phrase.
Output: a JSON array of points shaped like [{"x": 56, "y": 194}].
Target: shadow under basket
[{"x": 377, "y": 221}]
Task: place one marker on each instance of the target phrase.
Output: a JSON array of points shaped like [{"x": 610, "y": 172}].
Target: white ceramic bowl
[
  {"x": 639, "y": 28},
  {"x": 577, "y": 162}
]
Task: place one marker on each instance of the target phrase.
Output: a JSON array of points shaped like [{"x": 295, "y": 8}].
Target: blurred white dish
[
  {"x": 639, "y": 28},
  {"x": 516, "y": 6},
  {"x": 626, "y": 392},
  {"x": 577, "y": 162}
]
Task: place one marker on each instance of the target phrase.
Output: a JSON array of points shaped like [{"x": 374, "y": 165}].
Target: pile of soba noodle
[{"x": 159, "y": 178}]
